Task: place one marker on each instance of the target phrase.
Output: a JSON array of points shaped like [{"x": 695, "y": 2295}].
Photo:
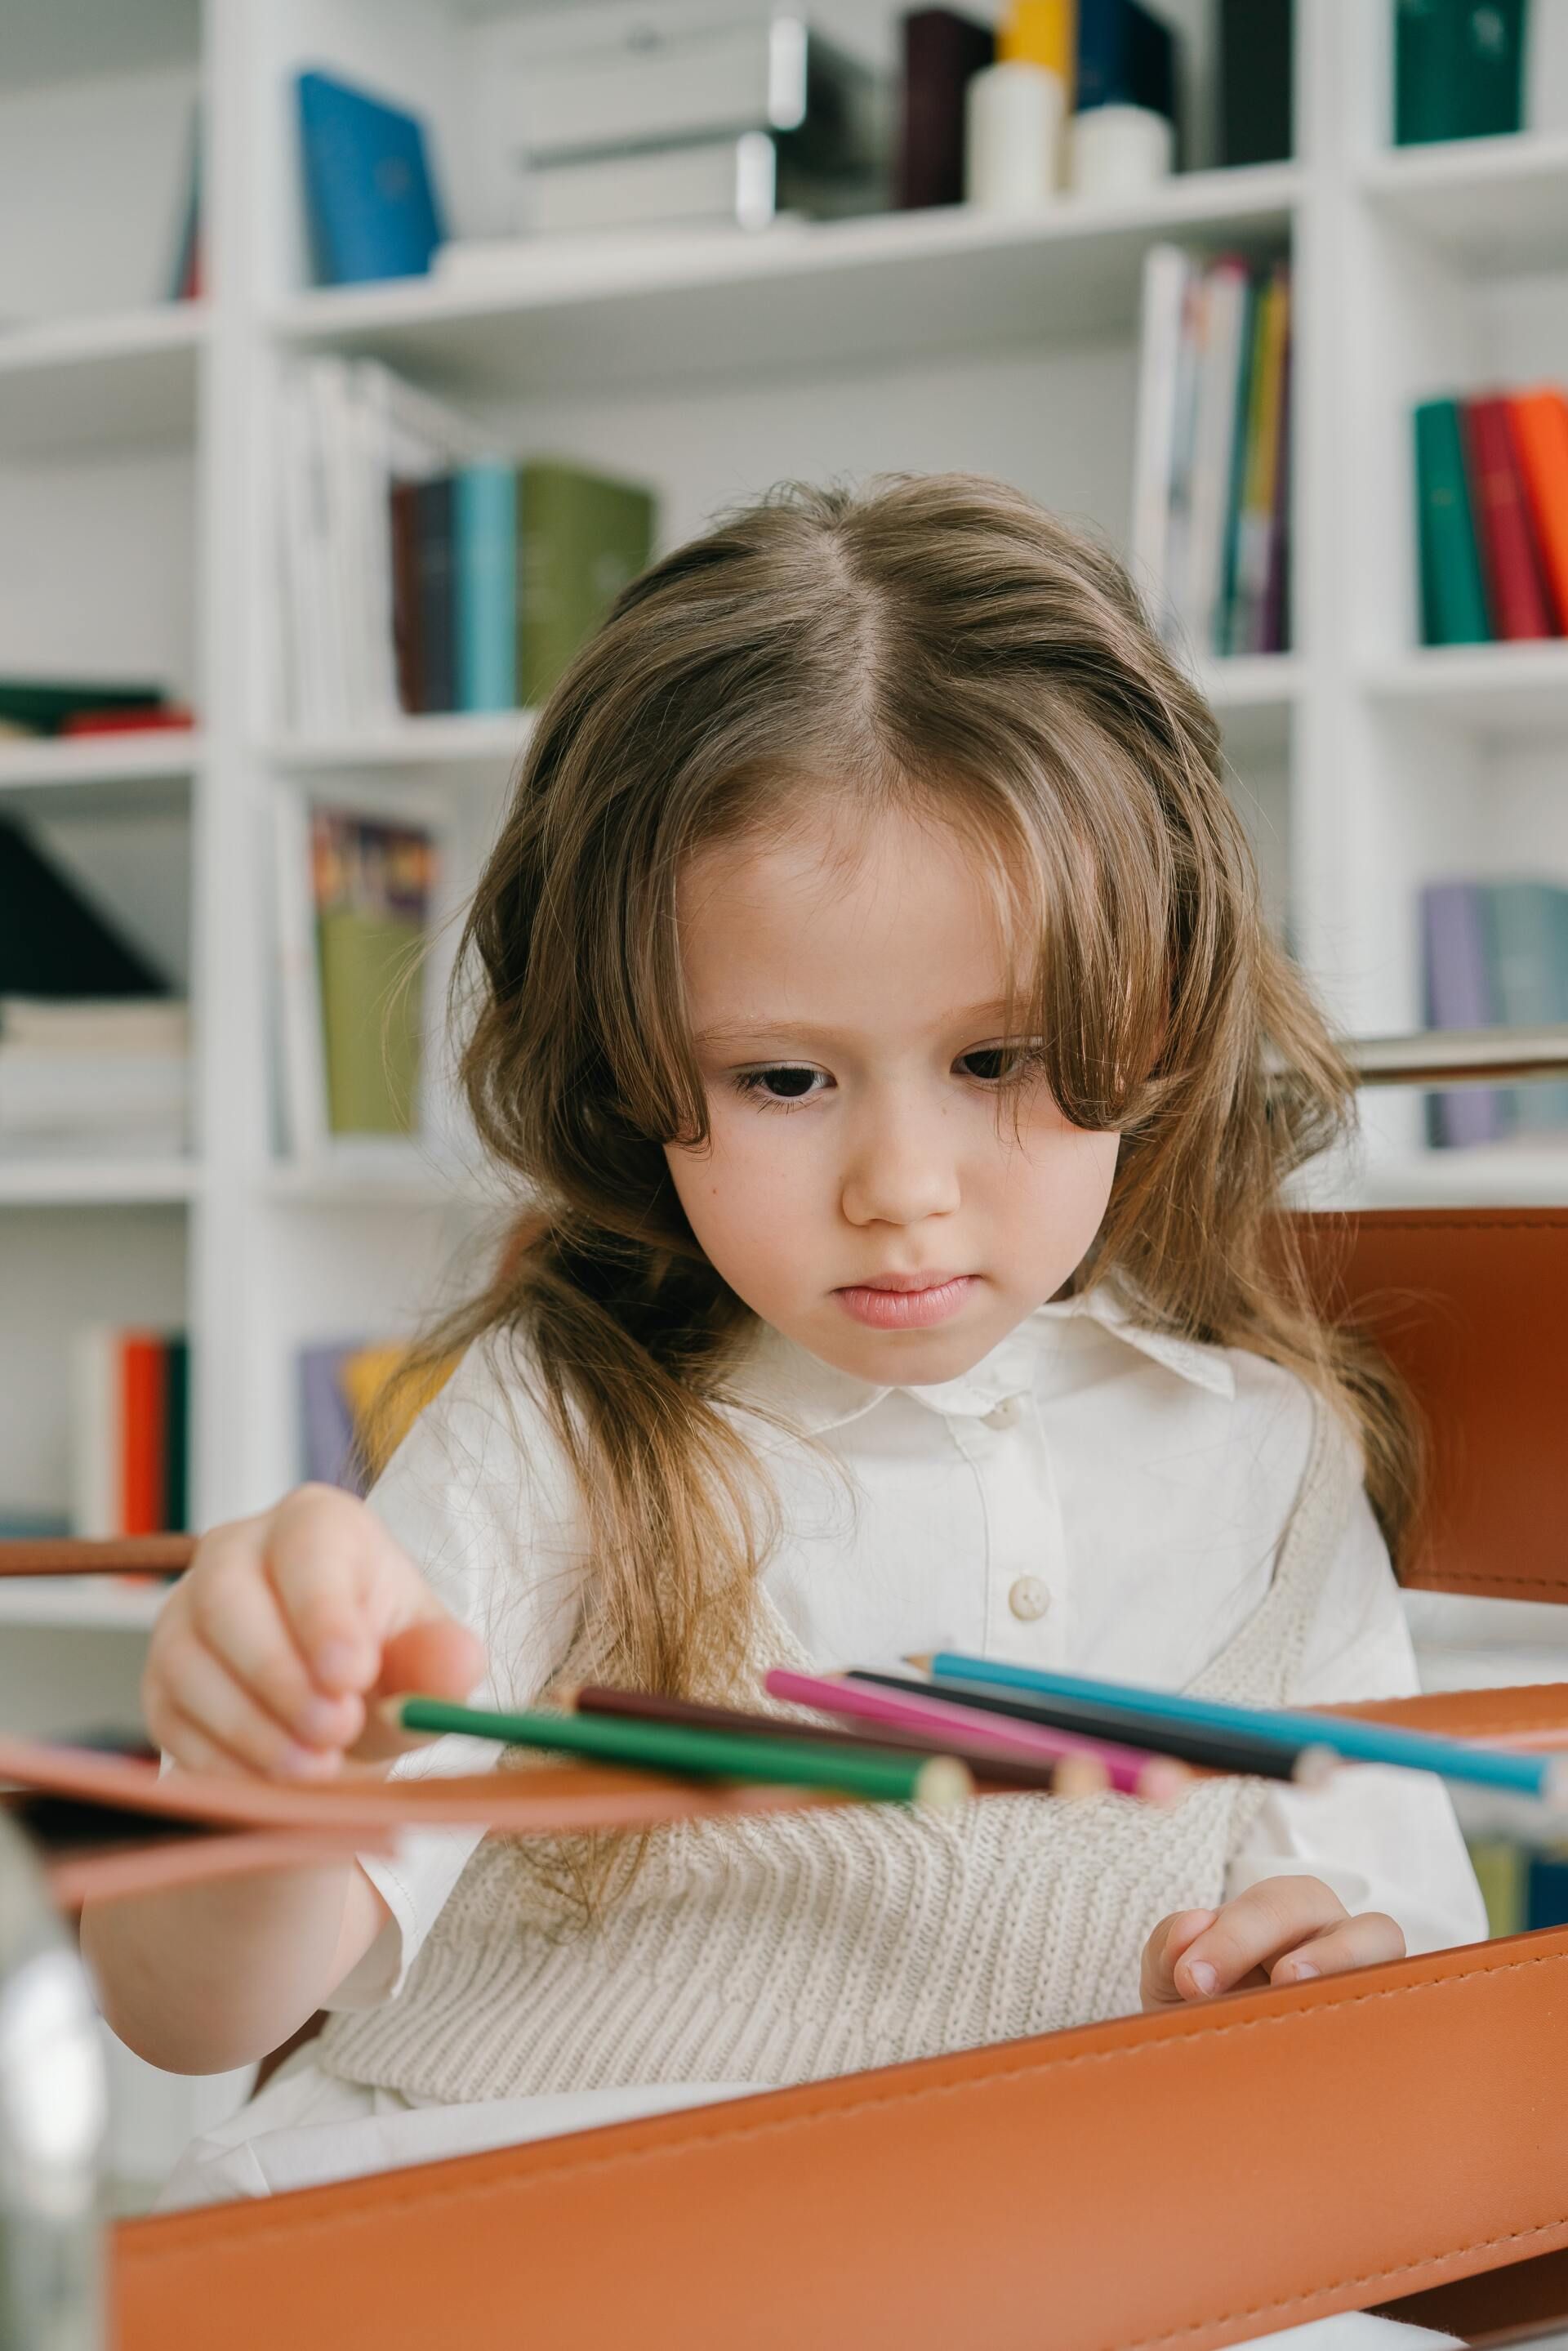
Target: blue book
[
  {"x": 370, "y": 203},
  {"x": 435, "y": 503},
  {"x": 1127, "y": 56},
  {"x": 1460, "y": 993},
  {"x": 1527, "y": 933},
  {"x": 485, "y": 553}
]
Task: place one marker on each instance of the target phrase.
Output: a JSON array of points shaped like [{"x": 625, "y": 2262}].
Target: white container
[
  {"x": 1119, "y": 151},
  {"x": 1015, "y": 123}
]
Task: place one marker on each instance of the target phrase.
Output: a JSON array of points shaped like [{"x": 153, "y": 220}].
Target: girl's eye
[
  {"x": 995, "y": 1064},
  {"x": 784, "y": 1084}
]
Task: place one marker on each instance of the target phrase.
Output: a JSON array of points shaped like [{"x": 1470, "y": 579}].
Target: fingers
[
  {"x": 1170, "y": 1938},
  {"x": 342, "y": 1583},
  {"x": 234, "y": 1612},
  {"x": 205, "y": 1719},
  {"x": 1364, "y": 1941},
  {"x": 1259, "y": 1928}
]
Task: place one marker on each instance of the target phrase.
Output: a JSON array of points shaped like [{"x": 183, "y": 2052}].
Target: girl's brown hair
[{"x": 934, "y": 637}]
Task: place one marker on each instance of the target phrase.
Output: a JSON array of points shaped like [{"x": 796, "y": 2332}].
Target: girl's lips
[{"x": 907, "y": 1310}]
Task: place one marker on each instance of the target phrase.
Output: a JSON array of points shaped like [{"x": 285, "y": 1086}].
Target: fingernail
[
  {"x": 1298, "y": 1970},
  {"x": 1203, "y": 1975},
  {"x": 318, "y": 1718}
]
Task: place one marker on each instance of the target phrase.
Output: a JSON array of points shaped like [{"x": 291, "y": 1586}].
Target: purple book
[
  {"x": 1459, "y": 995},
  {"x": 328, "y": 1426}
]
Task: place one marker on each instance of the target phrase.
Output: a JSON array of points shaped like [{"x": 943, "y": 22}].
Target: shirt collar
[{"x": 814, "y": 1397}]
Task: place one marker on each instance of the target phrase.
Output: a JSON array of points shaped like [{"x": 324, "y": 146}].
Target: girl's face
[{"x": 863, "y": 1187}]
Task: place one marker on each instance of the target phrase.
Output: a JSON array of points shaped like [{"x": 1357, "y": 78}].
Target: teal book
[
  {"x": 1526, "y": 926},
  {"x": 581, "y": 538},
  {"x": 1453, "y": 593},
  {"x": 1458, "y": 69},
  {"x": 1232, "y": 620},
  {"x": 485, "y": 556}
]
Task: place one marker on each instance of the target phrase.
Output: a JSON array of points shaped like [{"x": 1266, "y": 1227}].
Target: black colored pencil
[
  {"x": 1212, "y": 1751},
  {"x": 1074, "y": 1776}
]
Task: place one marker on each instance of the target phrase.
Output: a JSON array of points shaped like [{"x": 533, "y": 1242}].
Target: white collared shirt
[{"x": 1092, "y": 1496}]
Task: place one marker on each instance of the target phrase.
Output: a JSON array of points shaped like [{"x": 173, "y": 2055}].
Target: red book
[
  {"x": 143, "y": 1374},
  {"x": 1510, "y": 558},
  {"x": 406, "y": 634},
  {"x": 1539, "y": 421},
  {"x": 127, "y": 722}
]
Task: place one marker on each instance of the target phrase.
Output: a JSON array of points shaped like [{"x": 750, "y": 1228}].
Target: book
[
  {"x": 408, "y": 646},
  {"x": 484, "y": 514},
  {"x": 942, "y": 50},
  {"x": 372, "y": 883},
  {"x": 54, "y": 940},
  {"x": 1225, "y": 319},
  {"x": 1453, "y": 595},
  {"x": 1540, "y": 419},
  {"x": 1255, "y": 622},
  {"x": 371, "y": 204},
  {"x": 1526, "y": 928},
  {"x": 581, "y": 82},
  {"x": 1167, "y": 271},
  {"x": 1256, "y": 72},
  {"x": 1460, "y": 993},
  {"x": 434, "y": 570},
  {"x": 41, "y": 706},
  {"x": 185, "y": 278},
  {"x": 174, "y": 716},
  {"x": 581, "y": 537},
  {"x": 1458, "y": 68},
  {"x": 738, "y": 178},
  {"x": 1511, "y": 561},
  {"x": 1126, "y": 56}
]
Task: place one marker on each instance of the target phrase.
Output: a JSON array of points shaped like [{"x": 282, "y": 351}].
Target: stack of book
[
  {"x": 1211, "y": 463},
  {"x": 1458, "y": 68},
  {"x": 354, "y": 897},
  {"x": 66, "y": 706},
  {"x": 1495, "y": 954},
  {"x": 635, "y": 116},
  {"x": 420, "y": 573},
  {"x": 130, "y": 1433},
  {"x": 93, "y": 1047},
  {"x": 349, "y": 1425},
  {"x": 1492, "y": 498}
]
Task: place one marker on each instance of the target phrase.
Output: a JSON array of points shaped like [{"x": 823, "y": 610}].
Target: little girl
[{"x": 872, "y": 992}]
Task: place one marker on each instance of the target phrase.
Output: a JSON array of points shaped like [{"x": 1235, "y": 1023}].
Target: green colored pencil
[{"x": 937, "y": 1781}]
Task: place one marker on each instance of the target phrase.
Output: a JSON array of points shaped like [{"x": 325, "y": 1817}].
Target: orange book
[
  {"x": 143, "y": 1374},
  {"x": 1541, "y": 434}
]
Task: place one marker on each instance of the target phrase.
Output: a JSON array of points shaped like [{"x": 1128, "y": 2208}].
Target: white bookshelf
[{"x": 137, "y": 494}]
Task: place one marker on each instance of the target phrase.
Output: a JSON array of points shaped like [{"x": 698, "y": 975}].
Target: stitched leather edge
[{"x": 584, "y": 2163}]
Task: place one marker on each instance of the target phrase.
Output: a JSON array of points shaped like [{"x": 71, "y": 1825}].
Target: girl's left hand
[{"x": 1282, "y": 1930}]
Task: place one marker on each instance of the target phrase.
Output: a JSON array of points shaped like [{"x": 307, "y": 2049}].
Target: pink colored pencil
[{"x": 1157, "y": 1778}]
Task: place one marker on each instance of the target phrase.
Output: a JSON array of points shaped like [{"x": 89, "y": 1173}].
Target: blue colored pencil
[{"x": 1358, "y": 1741}]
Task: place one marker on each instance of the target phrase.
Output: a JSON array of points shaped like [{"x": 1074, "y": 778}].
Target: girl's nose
[{"x": 901, "y": 1167}]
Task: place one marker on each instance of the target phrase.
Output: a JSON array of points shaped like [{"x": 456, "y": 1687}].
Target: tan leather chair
[{"x": 1395, "y": 2138}]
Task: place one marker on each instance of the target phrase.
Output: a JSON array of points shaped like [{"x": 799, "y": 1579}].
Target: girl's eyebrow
[{"x": 738, "y": 1032}]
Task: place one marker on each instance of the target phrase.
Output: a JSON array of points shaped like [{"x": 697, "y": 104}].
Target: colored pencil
[
  {"x": 1346, "y": 1735},
  {"x": 1212, "y": 1751},
  {"x": 1132, "y": 1772},
  {"x": 937, "y": 1781},
  {"x": 1067, "y": 1775}
]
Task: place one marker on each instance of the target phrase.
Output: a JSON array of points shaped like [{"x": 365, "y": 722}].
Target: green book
[
  {"x": 581, "y": 537},
  {"x": 177, "y": 1438},
  {"x": 1525, "y": 924},
  {"x": 373, "y": 886},
  {"x": 1458, "y": 69},
  {"x": 1501, "y": 1868},
  {"x": 41, "y": 706},
  {"x": 1453, "y": 594}
]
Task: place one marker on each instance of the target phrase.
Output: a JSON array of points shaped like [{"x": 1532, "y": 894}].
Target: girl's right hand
[{"x": 267, "y": 1652}]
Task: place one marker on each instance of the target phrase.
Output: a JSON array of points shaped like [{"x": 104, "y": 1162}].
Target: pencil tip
[
  {"x": 921, "y": 1660},
  {"x": 1554, "y": 1784},
  {"x": 1314, "y": 1765},
  {"x": 943, "y": 1784}
]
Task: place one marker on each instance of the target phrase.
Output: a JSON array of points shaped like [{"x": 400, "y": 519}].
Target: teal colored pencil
[
  {"x": 1360, "y": 1742},
  {"x": 934, "y": 1780}
]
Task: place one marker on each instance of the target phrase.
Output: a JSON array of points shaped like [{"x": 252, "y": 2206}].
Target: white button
[
  {"x": 1005, "y": 1414},
  {"x": 1029, "y": 1598}
]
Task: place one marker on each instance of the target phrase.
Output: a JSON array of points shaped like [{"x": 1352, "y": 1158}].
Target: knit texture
[{"x": 783, "y": 1949}]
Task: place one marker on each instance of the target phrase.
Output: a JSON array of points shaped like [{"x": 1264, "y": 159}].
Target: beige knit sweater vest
[{"x": 776, "y": 1950}]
